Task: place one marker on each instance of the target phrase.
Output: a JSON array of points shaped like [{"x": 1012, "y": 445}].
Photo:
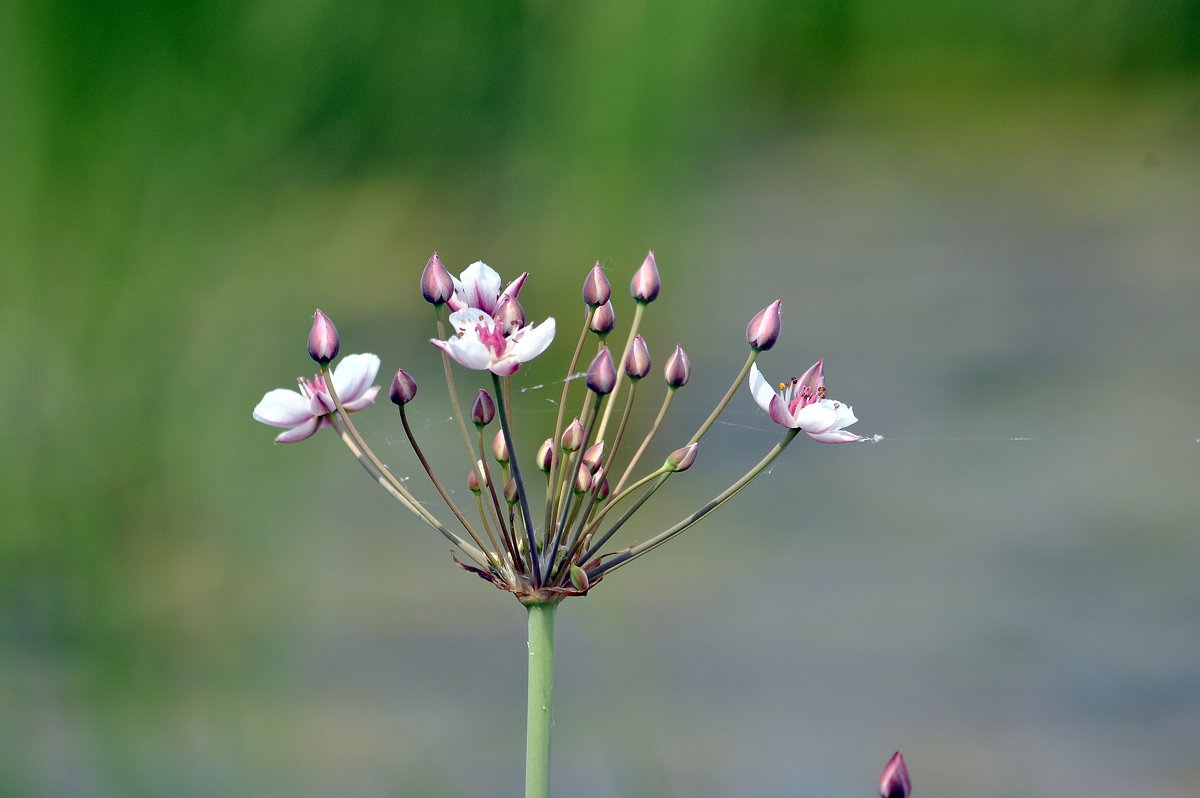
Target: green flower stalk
[{"x": 545, "y": 540}]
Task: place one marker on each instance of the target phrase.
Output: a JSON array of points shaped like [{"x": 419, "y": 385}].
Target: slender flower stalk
[{"x": 582, "y": 512}]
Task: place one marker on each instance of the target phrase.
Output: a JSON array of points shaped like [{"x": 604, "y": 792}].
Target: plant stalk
[{"x": 539, "y": 717}]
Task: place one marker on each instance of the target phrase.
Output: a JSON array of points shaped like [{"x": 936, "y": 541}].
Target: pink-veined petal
[
  {"x": 529, "y": 342},
  {"x": 296, "y": 434},
  {"x": 353, "y": 375},
  {"x": 282, "y": 408},
  {"x": 835, "y": 436},
  {"x": 778, "y": 411},
  {"x": 362, "y": 401},
  {"x": 467, "y": 351},
  {"x": 505, "y": 366},
  {"x": 479, "y": 286}
]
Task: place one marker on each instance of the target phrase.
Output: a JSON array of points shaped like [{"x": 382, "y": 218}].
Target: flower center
[{"x": 798, "y": 396}]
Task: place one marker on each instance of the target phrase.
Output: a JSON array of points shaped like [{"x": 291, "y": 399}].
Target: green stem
[{"x": 540, "y": 712}]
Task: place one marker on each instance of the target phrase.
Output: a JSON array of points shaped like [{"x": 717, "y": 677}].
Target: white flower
[
  {"x": 479, "y": 342},
  {"x": 479, "y": 287},
  {"x": 801, "y": 404},
  {"x": 303, "y": 412}
]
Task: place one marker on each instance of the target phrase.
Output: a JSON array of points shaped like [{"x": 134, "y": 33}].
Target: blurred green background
[{"x": 982, "y": 215}]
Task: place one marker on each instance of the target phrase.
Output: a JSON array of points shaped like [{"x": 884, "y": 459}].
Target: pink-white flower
[
  {"x": 800, "y": 403},
  {"x": 479, "y": 342},
  {"x": 479, "y": 287},
  {"x": 303, "y": 412}
]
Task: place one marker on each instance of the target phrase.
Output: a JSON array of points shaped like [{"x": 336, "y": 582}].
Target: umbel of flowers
[{"x": 543, "y": 518}]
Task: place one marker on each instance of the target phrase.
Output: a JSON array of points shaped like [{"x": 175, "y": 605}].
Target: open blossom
[
  {"x": 303, "y": 412},
  {"x": 801, "y": 404},
  {"x": 479, "y": 342},
  {"x": 479, "y": 287}
]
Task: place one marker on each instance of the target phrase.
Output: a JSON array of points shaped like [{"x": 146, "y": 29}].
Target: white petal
[
  {"x": 479, "y": 285},
  {"x": 353, "y": 375},
  {"x": 362, "y": 401},
  {"x": 531, "y": 341},
  {"x": 505, "y": 366},
  {"x": 845, "y": 415},
  {"x": 834, "y": 436},
  {"x": 282, "y": 408},
  {"x": 466, "y": 319},
  {"x": 299, "y": 433},
  {"x": 761, "y": 389},
  {"x": 817, "y": 417},
  {"x": 467, "y": 351}
]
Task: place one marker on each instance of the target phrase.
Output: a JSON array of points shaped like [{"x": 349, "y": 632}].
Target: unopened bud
[
  {"x": 500, "y": 447},
  {"x": 572, "y": 437},
  {"x": 596, "y": 289},
  {"x": 763, "y": 330},
  {"x": 510, "y": 315},
  {"x": 603, "y": 320},
  {"x": 437, "y": 286},
  {"x": 682, "y": 459},
  {"x": 583, "y": 480},
  {"x": 474, "y": 480},
  {"x": 404, "y": 388},
  {"x": 545, "y": 456},
  {"x": 894, "y": 781},
  {"x": 646, "y": 284},
  {"x": 637, "y": 359},
  {"x": 593, "y": 455},
  {"x": 483, "y": 409},
  {"x": 678, "y": 369},
  {"x": 579, "y": 577},
  {"x": 322, "y": 339},
  {"x": 510, "y": 492},
  {"x": 601, "y": 376},
  {"x": 603, "y": 490}
]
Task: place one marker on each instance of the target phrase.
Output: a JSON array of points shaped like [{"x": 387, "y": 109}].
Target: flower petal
[
  {"x": 817, "y": 417},
  {"x": 505, "y": 366},
  {"x": 761, "y": 390},
  {"x": 529, "y": 342},
  {"x": 362, "y": 401},
  {"x": 282, "y": 408},
  {"x": 466, "y": 350},
  {"x": 479, "y": 287},
  {"x": 296, "y": 434},
  {"x": 835, "y": 436},
  {"x": 353, "y": 375}
]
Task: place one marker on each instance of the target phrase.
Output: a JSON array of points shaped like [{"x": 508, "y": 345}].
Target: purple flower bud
[
  {"x": 603, "y": 320},
  {"x": 510, "y": 315},
  {"x": 500, "y": 448},
  {"x": 511, "y": 496},
  {"x": 893, "y": 781},
  {"x": 322, "y": 339},
  {"x": 682, "y": 459},
  {"x": 763, "y": 330},
  {"x": 645, "y": 284},
  {"x": 545, "y": 455},
  {"x": 603, "y": 490},
  {"x": 404, "y": 388},
  {"x": 437, "y": 286},
  {"x": 678, "y": 370},
  {"x": 601, "y": 376},
  {"x": 583, "y": 480},
  {"x": 474, "y": 480},
  {"x": 572, "y": 437},
  {"x": 483, "y": 409},
  {"x": 596, "y": 289},
  {"x": 593, "y": 455},
  {"x": 637, "y": 359}
]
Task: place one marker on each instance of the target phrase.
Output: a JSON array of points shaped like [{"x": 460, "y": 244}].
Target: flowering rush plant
[{"x": 544, "y": 539}]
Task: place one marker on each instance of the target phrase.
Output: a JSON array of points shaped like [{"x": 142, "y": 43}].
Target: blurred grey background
[{"x": 983, "y": 216}]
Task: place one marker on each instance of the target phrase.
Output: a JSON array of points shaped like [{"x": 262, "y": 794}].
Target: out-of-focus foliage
[{"x": 985, "y": 210}]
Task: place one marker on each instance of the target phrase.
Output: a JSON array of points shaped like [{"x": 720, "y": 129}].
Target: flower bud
[
  {"x": 545, "y": 456},
  {"x": 894, "y": 781},
  {"x": 763, "y": 329},
  {"x": 500, "y": 447},
  {"x": 404, "y": 388},
  {"x": 437, "y": 286},
  {"x": 637, "y": 359},
  {"x": 682, "y": 459},
  {"x": 678, "y": 370},
  {"x": 483, "y": 409},
  {"x": 593, "y": 456},
  {"x": 596, "y": 289},
  {"x": 572, "y": 437},
  {"x": 510, "y": 315},
  {"x": 601, "y": 376},
  {"x": 475, "y": 479},
  {"x": 583, "y": 480},
  {"x": 322, "y": 339},
  {"x": 579, "y": 578},
  {"x": 511, "y": 496},
  {"x": 603, "y": 320},
  {"x": 603, "y": 490},
  {"x": 645, "y": 284}
]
